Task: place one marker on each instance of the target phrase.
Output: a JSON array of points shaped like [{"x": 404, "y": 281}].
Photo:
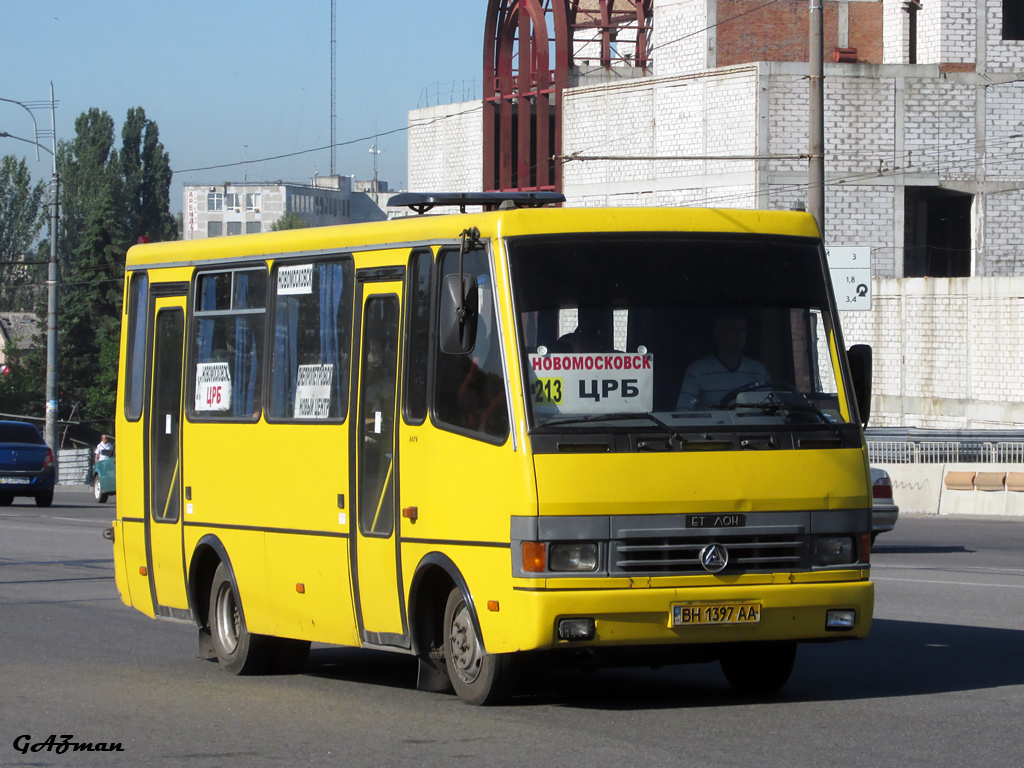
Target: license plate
[
  {"x": 15, "y": 480},
  {"x": 703, "y": 614}
]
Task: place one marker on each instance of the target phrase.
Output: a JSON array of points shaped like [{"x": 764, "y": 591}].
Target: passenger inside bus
[{"x": 589, "y": 336}]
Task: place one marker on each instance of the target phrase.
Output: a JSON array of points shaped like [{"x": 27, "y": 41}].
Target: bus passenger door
[
  {"x": 376, "y": 564},
  {"x": 162, "y": 446}
]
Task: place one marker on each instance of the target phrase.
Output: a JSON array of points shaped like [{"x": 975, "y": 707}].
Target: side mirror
[
  {"x": 860, "y": 372},
  {"x": 458, "y": 314}
]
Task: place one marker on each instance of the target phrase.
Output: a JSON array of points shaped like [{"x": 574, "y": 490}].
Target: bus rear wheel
[
  {"x": 238, "y": 651},
  {"x": 477, "y": 676},
  {"x": 758, "y": 668}
]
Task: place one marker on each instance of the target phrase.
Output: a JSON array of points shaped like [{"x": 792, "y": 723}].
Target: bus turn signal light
[{"x": 534, "y": 556}]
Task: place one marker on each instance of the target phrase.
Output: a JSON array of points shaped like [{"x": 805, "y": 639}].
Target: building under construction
[{"x": 705, "y": 103}]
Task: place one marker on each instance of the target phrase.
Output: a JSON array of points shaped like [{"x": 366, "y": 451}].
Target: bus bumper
[{"x": 643, "y": 616}]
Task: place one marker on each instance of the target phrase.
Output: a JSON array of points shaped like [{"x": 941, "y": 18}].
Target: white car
[{"x": 883, "y": 509}]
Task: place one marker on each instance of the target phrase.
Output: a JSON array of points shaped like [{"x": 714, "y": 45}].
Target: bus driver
[{"x": 708, "y": 379}]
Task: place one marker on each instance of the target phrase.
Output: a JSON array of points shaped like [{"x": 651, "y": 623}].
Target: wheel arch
[
  {"x": 207, "y": 555},
  {"x": 436, "y": 575}
]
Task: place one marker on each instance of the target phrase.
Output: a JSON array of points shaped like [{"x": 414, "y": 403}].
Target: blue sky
[{"x": 228, "y": 82}]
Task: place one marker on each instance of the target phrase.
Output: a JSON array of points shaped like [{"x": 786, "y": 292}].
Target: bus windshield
[{"x": 691, "y": 331}]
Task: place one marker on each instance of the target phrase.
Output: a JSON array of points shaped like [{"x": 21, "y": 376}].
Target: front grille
[{"x": 750, "y": 553}]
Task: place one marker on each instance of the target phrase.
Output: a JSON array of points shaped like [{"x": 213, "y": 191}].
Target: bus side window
[
  {"x": 469, "y": 389},
  {"x": 227, "y": 349},
  {"x": 417, "y": 341},
  {"x": 138, "y": 315},
  {"x": 312, "y": 342}
]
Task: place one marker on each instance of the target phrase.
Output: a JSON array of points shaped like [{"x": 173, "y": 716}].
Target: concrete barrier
[
  {"x": 958, "y": 489},
  {"x": 73, "y": 466},
  {"x": 916, "y": 488}
]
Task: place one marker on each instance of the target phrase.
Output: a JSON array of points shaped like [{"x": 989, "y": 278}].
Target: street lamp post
[
  {"x": 50, "y": 429},
  {"x": 816, "y": 88}
]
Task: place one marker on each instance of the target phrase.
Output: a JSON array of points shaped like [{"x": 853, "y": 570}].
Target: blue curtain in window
[
  {"x": 332, "y": 285},
  {"x": 207, "y": 301},
  {"x": 140, "y": 322},
  {"x": 286, "y": 365},
  {"x": 246, "y": 362}
]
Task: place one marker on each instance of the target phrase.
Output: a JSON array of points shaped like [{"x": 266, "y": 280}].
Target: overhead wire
[
  {"x": 940, "y": 152},
  {"x": 377, "y": 135}
]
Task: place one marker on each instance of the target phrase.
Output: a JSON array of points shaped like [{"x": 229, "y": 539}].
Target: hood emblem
[{"x": 713, "y": 558}]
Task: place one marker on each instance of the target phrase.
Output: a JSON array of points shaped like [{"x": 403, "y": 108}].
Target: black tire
[
  {"x": 45, "y": 498},
  {"x": 874, "y": 535},
  {"x": 478, "y": 677},
  {"x": 6, "y": 500},
  {"x": 758, "y": 668},
  {"x": 238, "y": 651},
  {"x": 97, "y": 493}
]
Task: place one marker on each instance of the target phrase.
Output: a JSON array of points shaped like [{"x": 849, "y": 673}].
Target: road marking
[
  {"x": 954, "y": 583},
  {"x": 980, "y": 569}
]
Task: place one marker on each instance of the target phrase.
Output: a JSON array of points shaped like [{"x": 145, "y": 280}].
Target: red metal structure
[{"x": 531, "y": 48}]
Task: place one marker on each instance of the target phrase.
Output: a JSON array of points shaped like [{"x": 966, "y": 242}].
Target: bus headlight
[
  {"x": 577, "y": 556},
  {"x": 833, "y": 550}
]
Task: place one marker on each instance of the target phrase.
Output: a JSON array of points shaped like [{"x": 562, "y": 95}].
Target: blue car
[{"x": 26, "y": 464}]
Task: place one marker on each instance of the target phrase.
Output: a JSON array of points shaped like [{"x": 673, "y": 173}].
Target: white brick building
[
  {"x": 924, "y": 165},
  {"x": 242, "y": 208}
]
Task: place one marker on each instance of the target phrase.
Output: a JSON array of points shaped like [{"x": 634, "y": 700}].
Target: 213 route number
[{"x": 547, "y": 391}]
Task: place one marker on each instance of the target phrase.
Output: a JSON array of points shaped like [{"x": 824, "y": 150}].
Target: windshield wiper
[
  {"x": 616, "y": 417},
  {"x": 775, "y": 403}
]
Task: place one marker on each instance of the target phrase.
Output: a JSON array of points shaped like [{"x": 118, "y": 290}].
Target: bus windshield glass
[{"x": 690, "y": 331}]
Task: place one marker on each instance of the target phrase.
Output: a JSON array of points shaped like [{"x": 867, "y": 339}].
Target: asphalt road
[{"x": 940, "y": 681}]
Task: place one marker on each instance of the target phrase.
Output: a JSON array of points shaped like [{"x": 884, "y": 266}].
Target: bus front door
[
  {"x": 164, "y": 549},
  {"x": 375, "y": 557}
]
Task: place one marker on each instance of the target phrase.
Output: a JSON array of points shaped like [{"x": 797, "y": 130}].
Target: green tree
[
  {"x": 290, "y": 220},
  {"x": 22, "y": 214},
  {"x": 20, "y": 392},
  {"x": 146, "y": 169},
  {"x": 110, "y": 198}
]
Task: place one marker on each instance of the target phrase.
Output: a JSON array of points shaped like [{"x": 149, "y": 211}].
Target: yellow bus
[{"x": 603, "y": 434}]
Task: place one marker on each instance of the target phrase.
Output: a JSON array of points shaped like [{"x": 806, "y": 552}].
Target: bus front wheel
[
  {"x": 477, "y": 676},
  {"x": 758, "y": 668},
  {"x": 238, "y": 651}
]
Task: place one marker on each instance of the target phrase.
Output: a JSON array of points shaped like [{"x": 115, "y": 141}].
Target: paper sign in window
[
  {"x": 292, "y": 281},
  {"x": 313, "y": 391},
  {"x": 615, "y": 382},
  {"x": 213, "y": 387}
]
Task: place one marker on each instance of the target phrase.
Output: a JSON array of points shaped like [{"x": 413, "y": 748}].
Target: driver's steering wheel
[{"x": 729, "y": 396}]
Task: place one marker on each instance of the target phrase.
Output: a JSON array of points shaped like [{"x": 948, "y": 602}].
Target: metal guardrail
[{"x": 944, "y": 452}]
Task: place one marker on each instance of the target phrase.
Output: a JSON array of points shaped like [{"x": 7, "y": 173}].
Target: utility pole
[
  {"x": 50, "y": 428},
  {"x": 334, "y": 54},
  {"x": 816, "y": 92},
  {"x": 374, "y": 151},
  {"x": 51, "y": 300}
]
